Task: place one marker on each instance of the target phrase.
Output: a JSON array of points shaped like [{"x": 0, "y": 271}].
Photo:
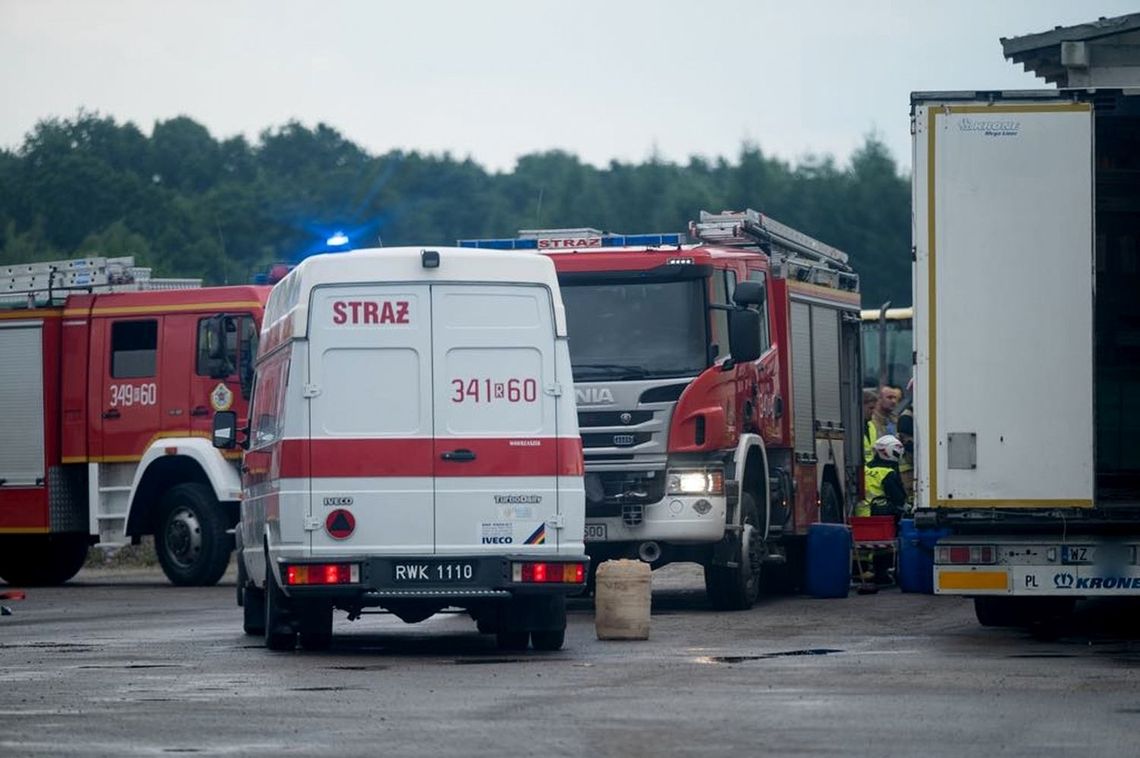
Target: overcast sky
[{"x": 495, "y": 79}]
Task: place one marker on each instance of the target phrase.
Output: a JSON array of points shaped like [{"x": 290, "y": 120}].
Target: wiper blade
[{"x": 613, "y": 370}]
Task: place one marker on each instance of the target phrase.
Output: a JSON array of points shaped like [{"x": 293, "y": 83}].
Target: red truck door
[
  {"x": 215, "y": 382},
  {"x": 128, "y": 411}
]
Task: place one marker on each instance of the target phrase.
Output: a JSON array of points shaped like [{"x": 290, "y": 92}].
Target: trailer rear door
[{"x": 1003, "y": 302}]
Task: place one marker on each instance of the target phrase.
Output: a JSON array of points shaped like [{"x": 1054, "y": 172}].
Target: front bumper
[{"x": 675, "y": 519}]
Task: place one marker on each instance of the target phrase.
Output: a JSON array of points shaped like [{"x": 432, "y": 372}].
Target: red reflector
[
  {"x": 170, "y": 450},
  {"x": 959, "y": 555}
]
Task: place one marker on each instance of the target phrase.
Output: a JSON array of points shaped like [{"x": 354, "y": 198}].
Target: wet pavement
[{"x": 119, "y": 663}]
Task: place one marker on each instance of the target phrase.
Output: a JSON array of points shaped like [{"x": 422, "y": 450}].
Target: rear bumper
[
  {"x": 459, "y": 578},
  {"x": 1036, "y": 567}
]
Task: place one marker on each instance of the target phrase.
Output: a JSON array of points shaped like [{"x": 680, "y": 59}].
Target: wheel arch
[
  {"x": 168, "y": 463},
  {"x": 751, "y": 475}
]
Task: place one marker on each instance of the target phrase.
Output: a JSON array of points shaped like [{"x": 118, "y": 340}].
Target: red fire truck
[
  {"x": 108, "y": 386},
  {"x": 718, "y": 392}
]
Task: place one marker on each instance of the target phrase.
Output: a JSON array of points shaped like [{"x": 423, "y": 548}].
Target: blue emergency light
[{"x": 338, "y": 239}]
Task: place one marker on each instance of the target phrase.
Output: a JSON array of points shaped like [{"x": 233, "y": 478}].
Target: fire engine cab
[
  {"x": 717, "y": 390},
  {"x": 412, "y": 445},
  {"x": 108, "y": 384}
]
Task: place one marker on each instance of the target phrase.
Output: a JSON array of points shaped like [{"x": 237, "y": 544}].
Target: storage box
[{"x": 872, "y": 528}]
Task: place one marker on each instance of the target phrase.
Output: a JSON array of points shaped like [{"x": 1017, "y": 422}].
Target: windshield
[
  {"x": 636, "y": 330},
  {"x": 899, "y": 347}
]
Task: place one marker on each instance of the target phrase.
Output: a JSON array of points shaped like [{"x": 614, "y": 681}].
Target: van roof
[{"x": 286, "y": 314}]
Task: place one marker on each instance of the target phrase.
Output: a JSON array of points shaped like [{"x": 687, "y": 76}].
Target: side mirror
[
  {"x": 743, "y": 335},
  {"x": 225, "y": 430},
  {"x": 749, "y": 293}
]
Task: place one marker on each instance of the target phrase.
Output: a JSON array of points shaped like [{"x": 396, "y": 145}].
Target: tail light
[
  {"x": 965, "y": 554},
  {"x": 322, "y": 573},
  {"x": 535, "y": 572}
]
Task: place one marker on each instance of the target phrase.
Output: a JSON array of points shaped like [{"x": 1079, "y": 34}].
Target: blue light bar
[
  {"x": 501, "y": 244},
  {"x": 615, "y": 240}
]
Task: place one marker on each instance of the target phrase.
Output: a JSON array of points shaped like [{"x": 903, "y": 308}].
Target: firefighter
[
  {"x": 882, "y": 486},
  {"x": 870, "y": 400},
  {"x": 884, "y": 414},
  {"x": 906, "y": 463}
]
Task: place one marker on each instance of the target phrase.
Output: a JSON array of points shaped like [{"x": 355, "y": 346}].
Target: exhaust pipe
[{"x": 649, "y": 552}]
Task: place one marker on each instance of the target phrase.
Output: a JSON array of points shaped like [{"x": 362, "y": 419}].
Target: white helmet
[{"x": 889, "y": 447}]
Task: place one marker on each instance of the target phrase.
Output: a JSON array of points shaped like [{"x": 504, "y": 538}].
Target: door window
[
  {"x": 134, "y": 349},
  {"x": 765, "y": 340},
  {"x": 724, "y": 283}
]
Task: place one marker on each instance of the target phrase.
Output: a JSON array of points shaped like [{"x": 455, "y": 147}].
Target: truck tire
[
  {"x": 1021, "y": 611},
  {"x": 830, "y": 504},
  {"x": 279, "y": 632},
  {"x": 190, "y": 537},
  {"x": 42, "y": 560},
  {"x": 735, "y": 588},
  {"x": 995, "y": 611}
]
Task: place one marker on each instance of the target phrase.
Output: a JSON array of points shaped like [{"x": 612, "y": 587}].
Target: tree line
[{"x": 188, "y": 204}]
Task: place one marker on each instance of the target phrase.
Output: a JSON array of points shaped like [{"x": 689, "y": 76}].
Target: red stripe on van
[{"x": 422, "y": 457}]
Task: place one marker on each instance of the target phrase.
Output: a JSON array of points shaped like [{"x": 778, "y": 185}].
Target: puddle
[
  {"x": 68, "y": 646},
  {"x": 132, "y": 666},
  {"x": 766, "y": 656},
  {"x": 322, "y": 689}
]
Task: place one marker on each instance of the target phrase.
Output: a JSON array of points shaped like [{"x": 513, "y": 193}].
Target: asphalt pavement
[{"x": 119, "y": 663}]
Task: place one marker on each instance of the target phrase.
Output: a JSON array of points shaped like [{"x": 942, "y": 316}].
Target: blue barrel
[
  {"x": 828, "y": 560},
  {"x": 916, "y": 557}
]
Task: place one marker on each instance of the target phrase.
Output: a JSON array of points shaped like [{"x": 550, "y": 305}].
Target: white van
[{"x": 413, "y": 445}]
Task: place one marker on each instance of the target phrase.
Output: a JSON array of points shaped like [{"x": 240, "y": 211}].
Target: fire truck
[
  {"x": 717, "y": 383},
  {"x": 110, "y": 380}
]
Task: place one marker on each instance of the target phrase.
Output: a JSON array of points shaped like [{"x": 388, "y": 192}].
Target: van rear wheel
[
  {"x": 279, "y": 632},
  {"x": 316, "y": 623},
  {"x": 548, "y": 639},
  {"x": 513, "y": 640},
  {"x": 190, "y": 537}
]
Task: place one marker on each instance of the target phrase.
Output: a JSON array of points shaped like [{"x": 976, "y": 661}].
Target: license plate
[
  {"x": 433, "y": 572},
  {"x": 1072, "y": 554},
  {"x": 595, "y": 532}
]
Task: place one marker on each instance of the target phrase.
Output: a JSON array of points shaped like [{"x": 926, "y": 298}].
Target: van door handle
[
  {"x": 113, "y": 413},
  {"x": 200, "y": 410},
  {"x": 459, "y": 456}
]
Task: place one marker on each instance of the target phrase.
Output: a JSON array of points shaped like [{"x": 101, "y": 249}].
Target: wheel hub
[{"x": 183, "y": 537}]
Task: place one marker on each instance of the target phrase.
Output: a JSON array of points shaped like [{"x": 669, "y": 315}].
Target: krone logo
[{"x": 1064, "y": 581}]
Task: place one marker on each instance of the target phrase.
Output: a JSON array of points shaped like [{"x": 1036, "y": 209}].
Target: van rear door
[
  {"x": 496, "y": 425},
  {"x": 371, "y": 456}
]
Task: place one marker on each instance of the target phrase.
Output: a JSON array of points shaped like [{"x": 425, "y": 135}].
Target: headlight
[{"x": 696, "y": 483}]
